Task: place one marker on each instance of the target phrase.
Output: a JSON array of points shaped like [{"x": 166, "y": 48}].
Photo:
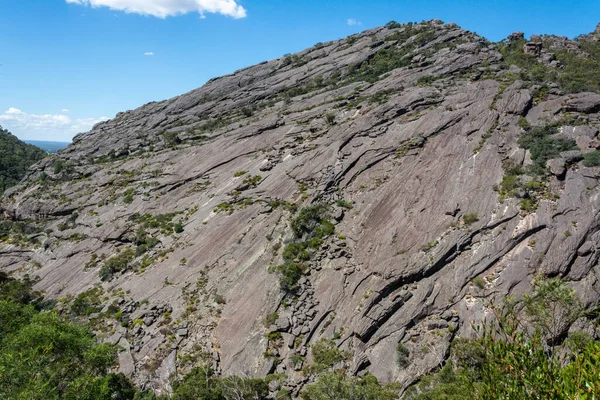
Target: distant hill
[
  {"x": 15, "y": 158},
  {"x": 50, "y": 147}
]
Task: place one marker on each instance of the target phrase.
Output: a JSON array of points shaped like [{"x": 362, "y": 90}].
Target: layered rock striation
[{"x": 178, "y": 212}]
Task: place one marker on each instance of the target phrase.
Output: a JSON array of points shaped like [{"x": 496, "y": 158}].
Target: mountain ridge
[{"x": 412, "y": 135}]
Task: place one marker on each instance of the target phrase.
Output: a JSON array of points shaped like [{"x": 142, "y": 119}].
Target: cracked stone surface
[{"x": 413, "y": 159}]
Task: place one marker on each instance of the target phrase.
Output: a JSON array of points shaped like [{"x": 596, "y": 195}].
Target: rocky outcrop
[{"x": 181, "y": 206}]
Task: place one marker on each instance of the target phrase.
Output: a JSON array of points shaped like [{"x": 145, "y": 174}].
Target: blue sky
[{"x": 67, "y": 64}]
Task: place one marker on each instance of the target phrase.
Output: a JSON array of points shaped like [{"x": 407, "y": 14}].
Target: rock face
[{"x": 179, "y": 206}]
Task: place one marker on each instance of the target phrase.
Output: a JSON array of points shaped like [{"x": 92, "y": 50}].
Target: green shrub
[
  {"x": 528, "y": 204},
  {"x": 592, "y": 159},
  {"x": 43, "y": 356},
  {"x": 344, "y": 204},
  {"x": 425, "y": 80},
  {"x": 290, "y": 273},
  {"x": 469, "y": 219},
  {"x": 479, "y": 282},
  {"x": 430, "y": 245},
  {"x": 252, "y": 180},
  {"x": 87, "y": 303},
  {"x": 178, "y": 227},
  {"x": 543, "y": 146},
  {"x": 201, "y": 383},
  {"x": 326, "y": 355},
  {"x": 402, "y": 355},
  {"x": 171, "y": 139},
  {"x": 116, "y": 264},
  {"x": 128, "y": 196},
  {"x": 271, "y": 318},
  {"x": 338, "y": 386}
]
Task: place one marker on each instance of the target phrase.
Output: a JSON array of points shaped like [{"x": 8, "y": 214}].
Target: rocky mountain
[{"x": 381, "y": 189}]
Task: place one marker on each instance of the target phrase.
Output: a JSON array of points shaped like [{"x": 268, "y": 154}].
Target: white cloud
[
  {"x": 168, "y": 8},
  {"x": 64, "y": 110},
  {"x": 52, "y": 127},
  {"x": 350, "y": 21},
  {"x": 149, "y": 53}
]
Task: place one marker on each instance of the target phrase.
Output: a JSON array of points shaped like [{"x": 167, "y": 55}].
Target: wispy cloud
[
  {"x": 168, "y": 8},
  {"x": 353, "y": 22},
  {"x": 56, "y": 127},
  {"x": 149, "y": 53},
  {"x": 64, "y": 110}
]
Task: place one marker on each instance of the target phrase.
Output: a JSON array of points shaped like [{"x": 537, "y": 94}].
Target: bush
[
  {"x": 592, "y": 159},
  {"x": 425, "y": 80},
  {"x": 201, "y": 383},
  {"x": 344, "y": 204},
  {"x": 402, "y": 355},
  {"x": 44, "y": 357},
  {"x": 338, "y": 386},
  {"x": 115, "y": 264},
  {"x": 290, "y": 273},
  {"x": 543, "y": 146},
  {"x": 171, "y": 139},
  {"x": 469, "y": 219},
  {"x": 393, "y": 25}
]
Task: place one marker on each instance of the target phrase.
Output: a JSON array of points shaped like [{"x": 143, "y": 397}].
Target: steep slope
[
  {"x": 15, "y": 158},
  {"x": 430, "y": 150}
]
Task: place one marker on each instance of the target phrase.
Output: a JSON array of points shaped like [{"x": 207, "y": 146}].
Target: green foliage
[
  {"x": 43, "y": 357},
  {"x": 508, "y": 361},
  {"x": 164, "y": 222},
  {"x": 18, "y": 232},
  {"x": 61, "y": 165},
  {"x": 128, "y": 196},
  {"x": 17, "y": 291},
  {"x": 240, "y": 173},
  {"x": 469, "y": 219},
  {"x": 326, "y": 355},
  {"x": 425, "y": 80},
  {"x": 523, "y": 123},
  {"x": 552, "y": 306},
  {"x": 393, "y": 25},
  {"x": 383, "y": 61},
  {"x": 338, "y": 386},
  {"x": 310, "y": 229},
  {"x": 543, "y": 146},
  {"x": 429, "y": 245},
  {"x": 252, "y": 180},
  {"x": 310, "y": 220},
  {"x": 290, "y": 273},
  {"x": 271, "y": 318},
  {"x": 344, "y": 204},
  {"x": 402, "y": 355},
  {"x": 88, "y": 302},
  {"x": 578, "y": 74},
  {"x": 178, "y": 227},
  {"x": 330, "y": 119},
  {"x": 171, "y": 139},
  {"x": 15, "y": 159},
  {"x": 116, "y": 264},
  {"x": 201, "y": 383},
  {"x": 479, "y": 282},
  {"x": 592, "y": 159}
]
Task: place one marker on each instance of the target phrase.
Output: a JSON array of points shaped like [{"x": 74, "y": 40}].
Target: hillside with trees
[{"x": 15, "y": 158}]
